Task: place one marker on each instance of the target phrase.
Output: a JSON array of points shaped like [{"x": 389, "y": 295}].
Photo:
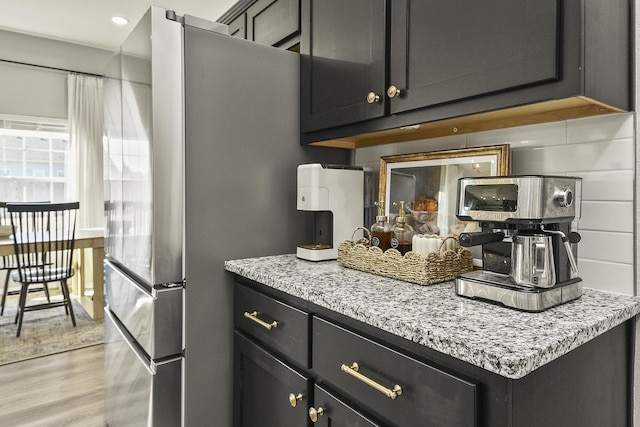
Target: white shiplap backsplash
[{"x": 601, "y": 150}]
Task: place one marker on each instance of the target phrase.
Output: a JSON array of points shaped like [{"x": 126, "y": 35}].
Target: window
[{"x": 34, "y": 158}]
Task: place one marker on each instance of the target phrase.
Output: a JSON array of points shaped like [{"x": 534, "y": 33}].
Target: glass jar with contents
[
  {"x": 402, "y": 231},
  {"x": 381, "y": 233}
]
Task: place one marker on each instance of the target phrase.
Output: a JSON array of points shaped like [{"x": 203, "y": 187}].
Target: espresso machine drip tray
[{"x": 501, "y": 289}]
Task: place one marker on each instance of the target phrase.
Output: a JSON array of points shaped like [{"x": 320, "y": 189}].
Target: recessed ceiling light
[{"x": 119, "y": 20}]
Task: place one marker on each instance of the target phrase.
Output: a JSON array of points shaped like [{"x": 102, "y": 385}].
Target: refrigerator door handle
[
  {"x": 149, "y": 365},
  {"x": 147, "y": 292}
]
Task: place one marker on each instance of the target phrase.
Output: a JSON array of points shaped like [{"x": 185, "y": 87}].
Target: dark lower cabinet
[
  {"x": 397, "y": 388},
  {"x": 280, "y": 327},
  {"x": 360, "y": 376},
  {"x": 268, "y": 392},
  {"x": 330, "y": 411}
]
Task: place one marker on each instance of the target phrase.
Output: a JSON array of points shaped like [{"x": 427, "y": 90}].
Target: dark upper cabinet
[
  {"x": 342, "y": 62},
  {"x": 238, "y": 27},
  {"x": 432, "y": 61},
  {"x": 271, "y": 22},
  {"x": 438, "y": 52},
  {"x": 447, "y": 51}
]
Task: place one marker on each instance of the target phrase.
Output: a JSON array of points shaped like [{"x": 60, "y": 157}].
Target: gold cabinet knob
[
  {"x": 393, "y": 91},
  {"x": 372, "y": 98},
  {"x": 293, "y": 399},
  {"x": 315, "y": 413}
]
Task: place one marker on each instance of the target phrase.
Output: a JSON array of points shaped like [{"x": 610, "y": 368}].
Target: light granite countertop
[{"x": 508, "y": 342}]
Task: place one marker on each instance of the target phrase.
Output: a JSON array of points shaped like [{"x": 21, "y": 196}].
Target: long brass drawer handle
[
  {"x": 353, "y": 371},
  {"x": 254, "y": 316}
]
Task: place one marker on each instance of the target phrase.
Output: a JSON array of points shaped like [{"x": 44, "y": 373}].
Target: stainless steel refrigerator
[{"x": 201, "y": 146}]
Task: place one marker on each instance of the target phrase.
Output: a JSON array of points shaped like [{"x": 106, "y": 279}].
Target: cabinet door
[
  {"x": 238, "y": 27},
  {"x": 271, "y": 22},
  {"x": 336, "y": 413},
  {"x": 290, "y": 335},
  {"x": 443, "y": 51},
  {"x": 268, "y": 392},
  {"x": 342, "y": 61},
  {"x": 395, "y": 387}
]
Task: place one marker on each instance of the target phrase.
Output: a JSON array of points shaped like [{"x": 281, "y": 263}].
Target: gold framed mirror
[{"x": 428, "y": 181}]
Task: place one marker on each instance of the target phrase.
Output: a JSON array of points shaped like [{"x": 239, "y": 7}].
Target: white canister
[
  {"x": 423, "y": 244},
  {"x": 418, "y": 244},
  {"x": 433, "y": 243}
]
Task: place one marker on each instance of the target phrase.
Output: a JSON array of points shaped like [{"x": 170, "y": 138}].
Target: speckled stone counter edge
[{"x": 501, "y": 340}]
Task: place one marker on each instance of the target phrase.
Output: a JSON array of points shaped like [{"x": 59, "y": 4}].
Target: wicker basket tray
[{"x": 435, "y": 267}]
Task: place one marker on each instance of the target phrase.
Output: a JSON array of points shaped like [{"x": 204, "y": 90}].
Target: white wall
[
  {"x": 31, "y": 91},
  {"x": 41, "y": 92},
  {"x": 20, "y": 47},
  {"x": 601, "y": 150}
]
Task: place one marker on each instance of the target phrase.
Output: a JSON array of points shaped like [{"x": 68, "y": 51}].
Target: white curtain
[{"x": 85, "y": 132}]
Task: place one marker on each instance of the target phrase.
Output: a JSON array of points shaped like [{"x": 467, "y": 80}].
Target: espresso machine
[
  {"x": 334, "y": 194},
  {"x": 528, "y": 243}
]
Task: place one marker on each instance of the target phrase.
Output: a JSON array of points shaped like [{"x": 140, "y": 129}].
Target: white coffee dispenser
[{"x": 334, "y": 194}]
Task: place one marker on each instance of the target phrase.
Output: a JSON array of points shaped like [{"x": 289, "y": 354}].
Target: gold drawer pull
[
  {"x": 353, "y": 371},
  {"x": 254, "y": 316},
  {"x": 293, "y": 399},
  {"x": 314, "y": 414}
]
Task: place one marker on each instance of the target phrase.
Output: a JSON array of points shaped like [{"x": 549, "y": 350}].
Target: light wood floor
[{"x": 64, "y": 389}]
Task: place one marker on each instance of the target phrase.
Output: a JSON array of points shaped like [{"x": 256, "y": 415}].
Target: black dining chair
[
  {"x": 7, "y": 262},
  {"x": 44, "y": 240}
]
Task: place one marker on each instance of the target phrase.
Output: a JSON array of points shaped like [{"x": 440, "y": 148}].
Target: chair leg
[
  {"x": 4, "y": 292},
  {"x": 45, "y": 288},
  {"x": 24, "y": 289},
  {"x": 67, "y": 298}
]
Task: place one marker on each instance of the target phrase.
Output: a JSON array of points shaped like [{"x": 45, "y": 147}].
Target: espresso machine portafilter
[{"x": 528, "y": 242}]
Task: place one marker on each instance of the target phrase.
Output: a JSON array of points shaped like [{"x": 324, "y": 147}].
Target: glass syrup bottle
[
  {"x": 402, "y": 231},
  {"x": 381, "y": 233}
]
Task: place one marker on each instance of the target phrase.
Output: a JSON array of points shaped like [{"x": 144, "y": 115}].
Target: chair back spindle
[{"x": 7, "y": 262}]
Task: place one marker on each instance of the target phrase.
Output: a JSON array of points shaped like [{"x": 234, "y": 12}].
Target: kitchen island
[{"x": 567, "y": 358}]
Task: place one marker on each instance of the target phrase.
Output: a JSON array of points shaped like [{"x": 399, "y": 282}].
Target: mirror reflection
[{"x": 427, "y": 182}]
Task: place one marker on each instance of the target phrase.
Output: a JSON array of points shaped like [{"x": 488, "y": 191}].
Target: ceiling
[{"x": 88, "y": 22}]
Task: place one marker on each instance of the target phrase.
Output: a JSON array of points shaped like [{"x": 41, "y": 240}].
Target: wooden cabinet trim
[{"x": 542, "y": 112}]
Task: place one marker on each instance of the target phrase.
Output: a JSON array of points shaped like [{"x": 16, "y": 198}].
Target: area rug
[{"x": 46, "y": 332}]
